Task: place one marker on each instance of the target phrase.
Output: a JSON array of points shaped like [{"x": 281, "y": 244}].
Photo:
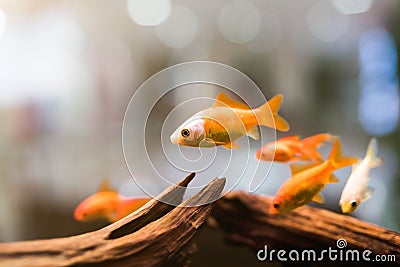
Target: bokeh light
[
  {"x": 239, "y": 21},
  {"x": 149, "y": 12},
  {"x": 3, "y": 22},
  {"x": 349, "y": 7},
  {"x": 269, "y": 35},
  {"x": 378, "y": 111},
  {"x": 180, "y": 29},
  {"x": 326, "y": 23},
  {"x": 41, "y": 59}
]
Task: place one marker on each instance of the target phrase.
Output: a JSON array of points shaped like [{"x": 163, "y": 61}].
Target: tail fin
[
  {"x": 263, "y": 114},
  {"x": 309, "y": 145},
  {"x": 336, "y": 157},
  {"x": 316, "y": 141},
  {"x": 372, "y": 153},
  {"x": 310, "y": 153}
]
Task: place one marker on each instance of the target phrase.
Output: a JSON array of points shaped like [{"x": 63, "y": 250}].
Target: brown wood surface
[
  {"x": 245, "y": 221},
  {"x": 156, "y": 235},
  {"x": 160, "y": 235}
]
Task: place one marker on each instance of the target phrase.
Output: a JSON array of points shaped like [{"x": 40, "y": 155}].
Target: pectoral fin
[
  {"x": 333, "y": 178},
  {"x": 368, "y": 193},
  {"x": 318, "y": 198},
  {"x": 211, "y": 142},
  {"x": 254, "y": 133},
  {"x": 232, "y": 145}
]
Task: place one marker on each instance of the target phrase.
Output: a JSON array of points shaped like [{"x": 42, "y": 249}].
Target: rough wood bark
[
  {"x": 156, "y": 235},
  {"x": 245, "y": 221}
]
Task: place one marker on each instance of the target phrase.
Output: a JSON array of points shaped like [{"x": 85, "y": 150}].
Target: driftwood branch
[
  {"x": 156, "y": 235},
  {"x": 245, "y": 221},
  {"x": 159, "y": 234}
]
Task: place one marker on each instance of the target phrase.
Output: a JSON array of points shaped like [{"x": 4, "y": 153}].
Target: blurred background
[{"x": 68, "y": 69}]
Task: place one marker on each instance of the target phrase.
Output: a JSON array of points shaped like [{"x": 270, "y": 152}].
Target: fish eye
[
  {"x": 353, "y": 204},
  {"x": 185, "y": 133},
  {"x": 276, "y": 205}
]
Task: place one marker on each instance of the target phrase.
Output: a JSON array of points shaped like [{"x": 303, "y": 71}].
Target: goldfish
[
  {"x": 356, "y": 189},
  {"x": 308, "y": 180},
  {"x": 226, "y": 121},
  {"x": 291, "y": 148},
  {"x": 107, "y": 203}
]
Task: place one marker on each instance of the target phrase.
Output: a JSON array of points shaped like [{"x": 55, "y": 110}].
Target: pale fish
[{"x": 356, "y": 189}]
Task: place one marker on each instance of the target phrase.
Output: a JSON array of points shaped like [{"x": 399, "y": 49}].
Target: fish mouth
[
  {"x": 258, "y": 154},
  {"x": 174, "y": 139},
  {"x": 272, "y": 210},
  {"x": 345, "y": 210},
  {"x": 78, "y": 216}
]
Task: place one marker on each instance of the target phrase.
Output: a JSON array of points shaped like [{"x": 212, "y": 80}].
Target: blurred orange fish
[
  {"x": 228, "y": 120},
  {"x": 291, "y": 148},
  {"x": 308, "y": 180},
  {"x": 107, "y": 204}
]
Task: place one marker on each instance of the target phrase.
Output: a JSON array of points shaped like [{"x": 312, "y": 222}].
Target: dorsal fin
[
  {"x": 105, "y": 186},
  {"x": 223, "y": 100},
  {"x": 299, "y": 167}
]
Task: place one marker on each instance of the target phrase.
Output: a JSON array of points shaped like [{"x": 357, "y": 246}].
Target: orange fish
[
  {"x": 226, "y": 121},
  {"x": 291, "y": 148},
  {"x": 308, "y": 180},
  {"x": 107, "y": 204}
]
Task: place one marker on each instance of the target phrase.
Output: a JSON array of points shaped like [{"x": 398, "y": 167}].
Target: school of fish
[
  {"x": 227, "y": 121},
  {"x": 308, "y": 180}
]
